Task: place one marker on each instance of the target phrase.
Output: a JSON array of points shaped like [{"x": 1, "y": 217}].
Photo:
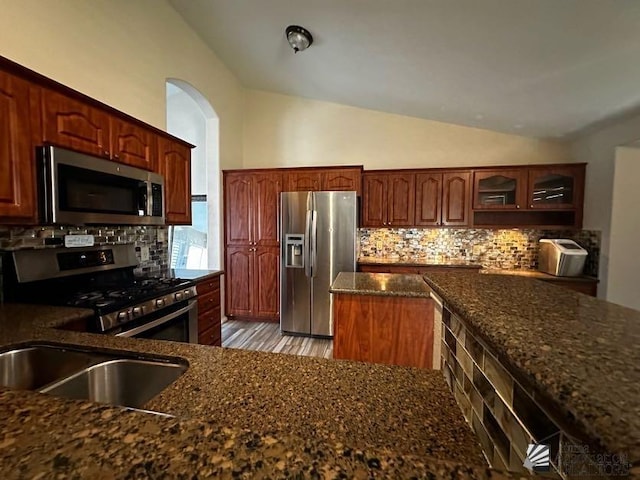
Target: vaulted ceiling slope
[{"x": 543, "y": 68}]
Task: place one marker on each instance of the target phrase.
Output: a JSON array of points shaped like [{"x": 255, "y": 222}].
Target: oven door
[{"x": 180, "y": 325}]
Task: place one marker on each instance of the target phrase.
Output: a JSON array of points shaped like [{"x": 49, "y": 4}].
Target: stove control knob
[
  {"x": 187, "y": 293},
  {"x": 160, "y": 303},
  {"x": 138, "y": 311},
  {"x": 122, "y": 316},
  {"x": 178, "y": 296}
]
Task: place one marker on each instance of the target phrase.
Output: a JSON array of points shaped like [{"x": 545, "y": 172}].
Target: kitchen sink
[
  {"x": 129, "y": 383},
  {"x": 110, "y": 377},
  {"x": 30, "y": 368}
]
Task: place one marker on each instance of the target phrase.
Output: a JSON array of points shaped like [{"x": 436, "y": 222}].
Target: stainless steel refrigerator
[{"x": 318, "y": 241}]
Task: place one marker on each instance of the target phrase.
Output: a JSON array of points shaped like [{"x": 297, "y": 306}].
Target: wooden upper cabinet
[
  {"x": 251, "y": 208},
  {"x": 265, "y": 208},
  {"x": 17, "y": 157},
  {"x": 70, "y": 123},
  {"x": 401, "y": 200},
  {"x": 456, "y": 192},
  {"x": 175, "y": 166},
  {"x": 343, "y": 179},
  {"x": 428, "y": 199},
  {"x": 133, "y": 145},
  {"x": 374, "y": 200},
  {"x": 388, "y": 199},
  {"x": 500, "y": 189},
  {"x": 556, "y": 188},
  {"x": 304, "y": 180},
  {"x": 238, "y": 189}
]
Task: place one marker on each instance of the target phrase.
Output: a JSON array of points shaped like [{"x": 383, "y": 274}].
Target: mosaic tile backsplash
[
  {"x": 500, "y": 249},
  {"x": 156, "y": 238}
]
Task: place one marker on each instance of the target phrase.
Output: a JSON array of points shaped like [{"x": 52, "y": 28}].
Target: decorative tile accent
[
  {"x": 502, "y": 249},
  {"x": 17, "y": 238}
]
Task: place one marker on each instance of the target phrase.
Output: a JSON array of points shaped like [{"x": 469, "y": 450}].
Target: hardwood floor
[{"x": 266, "y": 337}]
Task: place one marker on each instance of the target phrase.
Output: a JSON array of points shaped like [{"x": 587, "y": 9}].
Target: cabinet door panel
[
  {"x": 132, "y": 145},
  {"x": 428, "y": 198},
  {"x": 175, "y": 166},
  {"x": 238, "y": 208},
  {"x": 73, "y": 124},
  {"x": 346, "y": 179},
  {"x": 374, "y": 200},
  {"x": 265, "y": 208},
  {"x": 239, "y": 280},
  {"x": 555, "y": 188},
  {"x": 500, "y": 189},
  {"x": 302, "y": 181},
  {"x": 266, "y": 269},
  {"x": 455, "y": 198},
  {"x": 17, "y": 157},
  {"x": 401, "y": 200}
]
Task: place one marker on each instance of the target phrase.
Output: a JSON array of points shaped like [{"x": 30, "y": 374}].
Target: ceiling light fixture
[{"x": 299, "y": 38}]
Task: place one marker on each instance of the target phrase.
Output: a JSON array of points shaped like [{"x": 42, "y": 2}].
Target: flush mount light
[{"x": 299, "y": 38}]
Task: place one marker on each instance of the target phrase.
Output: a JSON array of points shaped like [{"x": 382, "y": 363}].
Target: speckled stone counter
[
  {"x": 195, "y": 275},
  {"x": 578, "y": 353},
  {"x": 539, "y": 275},
  {"x": 385, "y": 284},
  {"x": 418, "y": 262},
  {"x": 238, "y": 413}
]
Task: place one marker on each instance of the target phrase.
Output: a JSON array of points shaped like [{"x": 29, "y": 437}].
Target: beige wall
[
  {"x": 597, "y": 148},
  {"x": 624, "y": 263},
  {"x": 281, "y": 130},
  {"x": 121, "y": 52}
]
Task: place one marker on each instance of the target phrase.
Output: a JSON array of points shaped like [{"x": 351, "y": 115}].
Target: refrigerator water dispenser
[{"x": 293, "y": 251}]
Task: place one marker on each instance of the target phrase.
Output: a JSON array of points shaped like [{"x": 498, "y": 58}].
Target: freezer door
[
  {"x": 333, "y": 251},
  {"x": 295, "y": 282}
]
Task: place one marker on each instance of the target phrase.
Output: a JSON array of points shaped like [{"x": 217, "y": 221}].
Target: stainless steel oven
[{"x": 179, "y": 324}]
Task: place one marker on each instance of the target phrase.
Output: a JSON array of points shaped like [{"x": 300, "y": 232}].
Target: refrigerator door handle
[
  {"x": 314, "y": 242},
  {"x": 307, "y": 243}
]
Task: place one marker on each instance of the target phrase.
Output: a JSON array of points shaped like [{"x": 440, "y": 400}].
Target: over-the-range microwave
[{"x": 80, "y": 189}]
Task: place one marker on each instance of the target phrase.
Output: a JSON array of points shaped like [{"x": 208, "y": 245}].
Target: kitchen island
[
  {"x": 237, "y": 414},
  {"x": 565, "y": 364}
]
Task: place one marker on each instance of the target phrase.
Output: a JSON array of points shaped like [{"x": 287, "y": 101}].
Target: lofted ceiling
[{"x": 540, "y": 68}]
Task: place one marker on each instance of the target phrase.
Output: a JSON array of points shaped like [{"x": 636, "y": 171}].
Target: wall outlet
[
  {"x": 144, "y": 254},
  {"x": 379, "y": 245}
]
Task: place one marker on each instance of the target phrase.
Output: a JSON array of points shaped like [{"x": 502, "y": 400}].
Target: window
[{"x": 189, "y": 242}]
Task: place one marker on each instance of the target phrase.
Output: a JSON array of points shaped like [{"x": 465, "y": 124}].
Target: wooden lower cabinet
[
  {"x": 252, "y": 282},
  {"x": 209, "y": 314},
  {"x": 383, "y": 329}
]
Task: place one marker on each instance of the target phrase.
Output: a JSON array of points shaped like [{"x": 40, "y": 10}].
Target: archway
[{"x": 191, "y": 117}]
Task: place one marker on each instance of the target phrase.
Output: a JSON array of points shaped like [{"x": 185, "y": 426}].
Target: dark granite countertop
[
  {"x": 237, "y": 413},
  {"x": 384, "y": 284},
  {"x": 195, "y": 275},
  {"x": 539, "y": 275},
  {"x": 418, "y": 262},
  {"x": 580, "y": 352}
]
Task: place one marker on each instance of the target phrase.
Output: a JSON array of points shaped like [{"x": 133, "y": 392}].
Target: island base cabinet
[{"x": 383, "y": 329}]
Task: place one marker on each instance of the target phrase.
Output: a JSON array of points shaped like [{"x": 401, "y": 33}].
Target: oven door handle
[{"x": 159, "y": 321}]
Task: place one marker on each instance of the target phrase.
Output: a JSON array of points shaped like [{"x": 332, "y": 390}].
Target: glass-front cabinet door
[
  {"x": 553, "y": 188},
  {"x": 499, "y": 189}
]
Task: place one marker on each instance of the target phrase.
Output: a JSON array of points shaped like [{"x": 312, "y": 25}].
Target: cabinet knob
[
  {"x": 116, "y": 156},
  {"x": 531, "y": 206},
  {"x": 106, "y": 153},
  {"x": 517, "y": 206}
]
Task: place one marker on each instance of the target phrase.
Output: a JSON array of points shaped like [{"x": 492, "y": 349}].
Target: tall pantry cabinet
[{"x": 252, "y": 244}]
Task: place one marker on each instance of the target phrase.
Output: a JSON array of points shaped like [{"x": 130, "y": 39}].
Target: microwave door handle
[{"x": 143, "y": 199}]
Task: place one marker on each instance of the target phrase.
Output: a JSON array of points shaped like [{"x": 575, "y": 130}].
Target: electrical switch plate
[
  {"x": 379, "y": 245},
  {"x": 144, "y": 254}
]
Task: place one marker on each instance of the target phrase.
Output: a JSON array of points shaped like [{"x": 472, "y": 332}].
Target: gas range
[{"x": 102, "y": 279}]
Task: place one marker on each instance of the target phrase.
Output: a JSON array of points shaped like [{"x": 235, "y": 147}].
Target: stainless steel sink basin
[
  {"x": 125, "y": 382},
  {"x": 30, "y": 368},
  {"x": 109, "y": 377}
]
